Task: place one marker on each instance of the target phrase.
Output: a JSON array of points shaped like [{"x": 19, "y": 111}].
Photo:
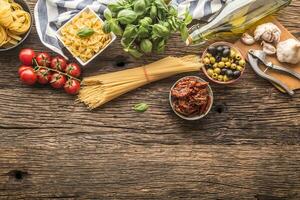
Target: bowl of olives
[{"x": 223, "y": 63}]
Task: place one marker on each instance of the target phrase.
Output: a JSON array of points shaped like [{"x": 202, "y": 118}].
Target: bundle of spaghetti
[
  {"x": 100, "y": 89},
  {"x": 14, "y": 21}
]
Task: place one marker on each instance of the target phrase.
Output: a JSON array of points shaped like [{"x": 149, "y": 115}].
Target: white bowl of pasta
[
  {"x": 16, "y": 23},
  {"x": 83, "y": 36}
]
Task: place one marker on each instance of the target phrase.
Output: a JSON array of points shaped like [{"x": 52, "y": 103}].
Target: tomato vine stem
[{"x": 54, "y": 70}]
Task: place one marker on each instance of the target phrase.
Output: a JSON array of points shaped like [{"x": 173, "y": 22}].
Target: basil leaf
[
  {"x": 85, "y": 32},
  {"x": 184, "y": 31},
  {"x": 115, "y": 27},
  {"x": 141, "y": 107},
  {"x": 134, "y": 52},
  {"x": 139, "y": 6},
  {"x": 127, "y": 16},
  {"x": 107, "y": 14},
  {"x": 188, "y": 18},
  {"x": 146, "y": 46}
]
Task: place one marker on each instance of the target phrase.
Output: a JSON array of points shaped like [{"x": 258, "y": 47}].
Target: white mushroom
[
  {"x": 247, "y": 39},
  {"x": 268, "y": 32},
  {"x": 288, "y": 51},
  {"x": 268, "y": 48}
]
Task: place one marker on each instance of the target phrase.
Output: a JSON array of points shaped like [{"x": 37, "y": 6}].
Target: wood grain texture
[{"x": 248, "y": 147}]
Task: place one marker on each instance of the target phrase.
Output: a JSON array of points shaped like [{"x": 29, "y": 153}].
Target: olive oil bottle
[{"x": 234, "y": 19}]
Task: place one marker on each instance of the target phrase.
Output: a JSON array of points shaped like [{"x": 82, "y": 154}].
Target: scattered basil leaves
[{"x": 141, "y": 107}]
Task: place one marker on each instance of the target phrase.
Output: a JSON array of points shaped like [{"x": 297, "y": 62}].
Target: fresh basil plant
[{"x": 144, "y": 25}]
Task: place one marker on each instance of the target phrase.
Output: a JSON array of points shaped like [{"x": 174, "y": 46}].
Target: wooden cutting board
[{"x": 290, "y": 81}]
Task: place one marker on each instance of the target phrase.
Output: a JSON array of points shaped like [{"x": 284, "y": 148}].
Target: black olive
[
  {"x": 212, "y": 50},
  {"x": 220, "y": 49},
  {"x": 218, "y": 58},
  {"x": 236, "y": 74},
  {"x": 226, "y": 47},
  {"x": 223, "y": 71},
  {"x": 229, "y": 72},
  {"x": 207, "y": 66},
  {"x": 226, "y": 52}
]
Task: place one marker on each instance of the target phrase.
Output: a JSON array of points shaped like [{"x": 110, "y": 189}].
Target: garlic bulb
[
  {"x": 268, "y": 32},
  {"x": 247, "y": 39},
  {"x": 288, "y": 51},
  {"x": 268, "y": 48}
]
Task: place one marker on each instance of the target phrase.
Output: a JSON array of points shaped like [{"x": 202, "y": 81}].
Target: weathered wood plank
[{"x": 247, "y": 147}]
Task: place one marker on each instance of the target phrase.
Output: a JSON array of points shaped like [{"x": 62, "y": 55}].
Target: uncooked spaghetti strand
[{"x": 100, "y": 89}]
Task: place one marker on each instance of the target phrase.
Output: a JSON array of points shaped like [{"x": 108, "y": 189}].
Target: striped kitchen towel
[
  {"x": 51, "y": 14},
  {"x": 199, "y": 9}
]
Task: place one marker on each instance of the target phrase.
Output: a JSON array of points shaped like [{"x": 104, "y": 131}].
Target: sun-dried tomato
[{"x": 191, "y": 97}]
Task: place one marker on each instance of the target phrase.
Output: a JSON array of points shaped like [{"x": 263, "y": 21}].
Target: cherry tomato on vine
[
  {"x": 43, "y": 76},
  {"x": 26, "y": 56},
  {"x": 43, "y": 59},
  {"x": 22, "y": 68},
  {"x": 58, "y": 80},
  {"x": 58, "y": 63},
  {"x": 73, "y": 69},
  {"x": 28, "y": 76},
  {"x": 72, "y": 86}
]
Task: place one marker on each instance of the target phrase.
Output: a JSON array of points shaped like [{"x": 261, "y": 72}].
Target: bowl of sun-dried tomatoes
[{"x": 191, "y": 98}]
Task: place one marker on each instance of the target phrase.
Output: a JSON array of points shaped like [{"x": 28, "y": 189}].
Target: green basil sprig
[
  {"x": 144, "y": 25},
  {"x": 85, "y": 32}
]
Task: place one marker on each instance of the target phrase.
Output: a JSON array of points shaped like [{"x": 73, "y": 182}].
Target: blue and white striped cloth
[{"x": 51, "y": 14}]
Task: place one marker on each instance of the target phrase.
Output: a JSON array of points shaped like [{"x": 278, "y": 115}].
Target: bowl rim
[
  {"x": 222, "y": 82},
  {"x": 58, "y": 35},
  {"x": 25, "y": 36},
  {"x": 210, "y": 91}
]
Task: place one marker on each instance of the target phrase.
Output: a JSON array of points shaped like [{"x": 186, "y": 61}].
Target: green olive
[
  {"x": 220, "y": 78},
  {"x": 215, "y": 65},
  {"x": 212, "y": 60},
  {"x": 239, "y": 68},
  {"x": 228, "y": 64},
  {"x": 238, "y": 57},
  {"x": 206, "y": 61},
  {"x": 233, "y": 66},
  {"x": 232, "y": 54},
  {"x": 215, "y": 76},
  {"x": 217, "y": 70},
  {"x": 242, "y": 63},
  {"x": 225, "y": 59},
  {"x": 221, "y": 64},
  {"x": 210, "y": 72},
  {"x": 225, "y": 78},
  {"x": 208, "y": 55}
]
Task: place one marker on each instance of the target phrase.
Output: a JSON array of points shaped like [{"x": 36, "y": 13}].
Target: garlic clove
[
  {"x": 268, "y": 48},
  {"x": 247, "y": 39}
]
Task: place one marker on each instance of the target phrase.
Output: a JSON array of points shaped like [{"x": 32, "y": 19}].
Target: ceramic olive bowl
[
  {"x": 216, "y": 44},
  {"x": 26, "y": 8}
]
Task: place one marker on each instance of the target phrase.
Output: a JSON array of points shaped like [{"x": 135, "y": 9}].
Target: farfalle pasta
[
  {"x": 14, "y": 22},
  {"x": 86, "y": 45}
]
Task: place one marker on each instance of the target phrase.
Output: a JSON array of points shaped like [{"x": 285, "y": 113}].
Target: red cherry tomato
[
  {"x": 73, "y": 69},
  {"x": 28, "y": 76},
  {"x": 43, "y": 76},
  {"x": 22, "y": 68},
  {"x": 43, "y": 59},
  {"x": 72, "y": 86},
  {"x": 58, "y": 80},
  {"x": 26, "y": 56},
  {"x": 58, "y": 63}
]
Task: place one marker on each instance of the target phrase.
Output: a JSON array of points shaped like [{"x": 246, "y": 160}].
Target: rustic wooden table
[{"x": 248, "y": 147}]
